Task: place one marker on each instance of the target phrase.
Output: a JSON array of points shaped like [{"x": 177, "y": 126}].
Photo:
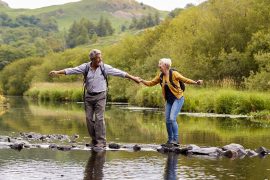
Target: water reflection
[
  {"x": 171, "y": 166},
  {"x": 94, "y": 166},
  {"x": 122, "y": 124}
]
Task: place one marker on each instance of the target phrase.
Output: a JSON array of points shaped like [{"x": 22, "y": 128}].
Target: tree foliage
[
  {"x": 83, "y": 31},
  {"x": 214, "y": 41},
  {"x": 26, "y": 36},
  {"x": 145, "y": 21}
]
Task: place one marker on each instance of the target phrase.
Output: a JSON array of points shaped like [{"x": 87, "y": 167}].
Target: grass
[
  {"x": 56, "y": 91},
  {"x": 211, "y": 100}
]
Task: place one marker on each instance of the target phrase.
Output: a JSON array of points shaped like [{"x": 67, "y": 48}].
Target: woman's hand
[{"x": 199, "y": 82}]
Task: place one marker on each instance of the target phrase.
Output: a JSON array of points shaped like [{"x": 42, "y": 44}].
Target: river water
[{"x": 126, "y": 124}]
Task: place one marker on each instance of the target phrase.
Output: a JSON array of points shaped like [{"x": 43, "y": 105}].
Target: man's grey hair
[
  {"x": 93, "y": 53},
  {"x": 166, "y": 61}
]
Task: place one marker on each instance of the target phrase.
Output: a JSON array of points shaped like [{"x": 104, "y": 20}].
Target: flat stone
[
  {"x": 136, "y": 147},
  {"x": 262, "y": 151},
  {"x": 64, "y": 148},
  {"x": 16, "y": 146},
  {"x": 230, "y": 154},
  {"x": 114, "y": 146}
]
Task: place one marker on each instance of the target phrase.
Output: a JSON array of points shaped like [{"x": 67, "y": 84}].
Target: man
[
  {"x": 95, "y": 95},
  {"x": 173, "y": 94}
]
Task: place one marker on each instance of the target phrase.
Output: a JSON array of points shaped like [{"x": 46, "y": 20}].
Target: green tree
[
  {"x": 101, "y": 28},
  {"x": 5, "y": 20},
  {"x": 108, "y": 27},
  {"x": 72, "y": 34},
  {"x": 13, "y": 79}
]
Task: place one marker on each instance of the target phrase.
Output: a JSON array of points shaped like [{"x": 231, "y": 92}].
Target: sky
[{"x": 167, "y": 5}]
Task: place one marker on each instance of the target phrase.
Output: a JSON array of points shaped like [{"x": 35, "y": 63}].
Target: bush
[{"x": 14, "y": 79}]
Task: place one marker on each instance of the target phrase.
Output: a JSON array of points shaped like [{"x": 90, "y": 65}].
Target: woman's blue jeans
[{"x": 171, "y": 113}]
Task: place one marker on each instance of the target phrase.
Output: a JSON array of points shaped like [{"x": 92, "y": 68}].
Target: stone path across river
[{"x": 68, "y": 143}]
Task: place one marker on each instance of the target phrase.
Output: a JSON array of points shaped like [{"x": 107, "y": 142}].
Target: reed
[
  {"x": 56, "y": 91},
  {"x": 197, "y": 99}
]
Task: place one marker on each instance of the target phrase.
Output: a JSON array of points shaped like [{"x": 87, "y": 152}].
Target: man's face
[{"x": 97, "y": 59}]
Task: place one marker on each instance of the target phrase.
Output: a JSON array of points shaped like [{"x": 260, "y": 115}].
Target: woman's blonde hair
[{"x": 166, "y": 61}]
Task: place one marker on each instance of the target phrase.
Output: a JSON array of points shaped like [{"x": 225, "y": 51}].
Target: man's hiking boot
[{"x": 99, "y": 147}]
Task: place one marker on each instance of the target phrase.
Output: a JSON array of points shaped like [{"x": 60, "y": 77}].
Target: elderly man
[
  {"x": 95, "y": 74},
  {"x": 172, "y": 90}
]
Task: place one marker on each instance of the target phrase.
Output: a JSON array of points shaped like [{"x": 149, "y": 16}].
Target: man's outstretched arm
[{"x": 53, "y": 73}]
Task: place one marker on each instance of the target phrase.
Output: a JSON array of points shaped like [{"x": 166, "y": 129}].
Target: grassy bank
[
  {"x": 56, "y": 91},
  {"x": 213, "y": 100}
]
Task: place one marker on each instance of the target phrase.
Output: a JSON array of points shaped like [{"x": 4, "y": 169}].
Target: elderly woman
[{"x": 173, "y": 95}]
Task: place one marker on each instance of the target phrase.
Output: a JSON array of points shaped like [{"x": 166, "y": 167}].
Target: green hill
[{"x": 117, "y": 11}]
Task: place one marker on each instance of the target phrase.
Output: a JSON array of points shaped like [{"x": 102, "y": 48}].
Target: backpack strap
[
  {"x": 182, "y": 84},
  {"x": 84, "y": 78},
  {"x": 102, "y": 68},
  {"x": 170, "y": 78},
  {"x": 161, "y": 79},
  {"x": 85, "y": 73}
]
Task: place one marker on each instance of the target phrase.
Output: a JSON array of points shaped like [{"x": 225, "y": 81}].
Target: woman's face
[{"x": 163, "y": 67}]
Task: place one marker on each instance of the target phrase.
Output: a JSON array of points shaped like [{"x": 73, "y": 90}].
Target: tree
[
  {"x": 149, "y": 20},
  {"x": 5, "y": 20},
  {"x": 108, "y": 27},
  {"x": 175, "y": 12},
  {"x": 72, "y": 35},
  {"x": 27, "y": 21},
  {"x": 156, "y": 18},
  {"x": 101, "y": 28}
]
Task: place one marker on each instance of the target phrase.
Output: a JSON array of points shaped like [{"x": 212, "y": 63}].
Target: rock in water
[
  {"x": 16, "y": 146},
  {"x": 52, "y": 146},
  {"x": 230, "y": 154},
  {"x": 114, "y": 146},
  {"x": 136, "y": 147},
  {"x": 262, "y": 151},
  {"x": 64, "y": 148},
  {"x": 237, "y": 148}
]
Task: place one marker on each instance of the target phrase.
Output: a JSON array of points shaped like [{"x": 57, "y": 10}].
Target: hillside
[
  {"x": 3, "y": 4},
  {"x": 117, "y": 11}
]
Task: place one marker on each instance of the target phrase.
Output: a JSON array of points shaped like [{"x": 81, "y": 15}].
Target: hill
[{"x": 117, "y": 11}]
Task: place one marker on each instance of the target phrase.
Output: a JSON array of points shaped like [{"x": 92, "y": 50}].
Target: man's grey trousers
[{"x": 95, "y": 109}]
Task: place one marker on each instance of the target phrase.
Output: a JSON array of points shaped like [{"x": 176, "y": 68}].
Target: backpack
[
  {"x": 102, "y": 68},
  {"x": 182, "y": 85}
]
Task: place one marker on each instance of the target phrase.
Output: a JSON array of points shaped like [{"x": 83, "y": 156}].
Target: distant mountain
[
  {"x": 117, "y": 11},
  {"x": 3, "y": 4}
]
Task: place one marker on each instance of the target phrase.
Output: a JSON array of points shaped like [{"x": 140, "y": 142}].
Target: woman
[{"x": 173, "y": 95}]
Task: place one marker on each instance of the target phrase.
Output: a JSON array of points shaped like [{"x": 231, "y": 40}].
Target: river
[{"x": 126, "y": 125}]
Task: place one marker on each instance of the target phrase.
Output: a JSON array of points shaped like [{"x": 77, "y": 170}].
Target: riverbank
[{"x": 207, "y": 100}]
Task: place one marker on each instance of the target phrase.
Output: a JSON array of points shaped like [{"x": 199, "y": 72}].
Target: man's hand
[
  {"x": 137, "y": 79},
  {"x": 53, "y": 73}
]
